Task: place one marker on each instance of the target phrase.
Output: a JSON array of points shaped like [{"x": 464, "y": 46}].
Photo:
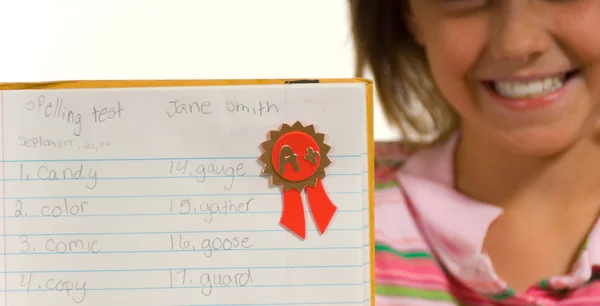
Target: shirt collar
[
  {"x": 593, "y": 247},
  {"x": 428, "y": 180},
  {"x": 455, "y": 224}
]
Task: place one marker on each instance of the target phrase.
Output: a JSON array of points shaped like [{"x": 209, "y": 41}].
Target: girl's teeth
[{"x": 520, "y": 90}]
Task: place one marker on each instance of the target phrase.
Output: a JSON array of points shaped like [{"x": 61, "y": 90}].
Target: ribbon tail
[
  {"x": 320, "y": 205},
  {"x": 292, "y": 216}
]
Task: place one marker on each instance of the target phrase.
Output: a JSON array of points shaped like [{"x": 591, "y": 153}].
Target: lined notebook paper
[{"x": 153, "y": 193}]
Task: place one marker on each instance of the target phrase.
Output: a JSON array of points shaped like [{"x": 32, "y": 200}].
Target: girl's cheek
[{"x": 453, "y": 54}]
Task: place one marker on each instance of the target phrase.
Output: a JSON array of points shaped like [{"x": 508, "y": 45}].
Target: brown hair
[{"x": 384, "y": 44}]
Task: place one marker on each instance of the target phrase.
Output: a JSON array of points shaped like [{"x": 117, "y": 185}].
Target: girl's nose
[{"x": 517, "y": 34}]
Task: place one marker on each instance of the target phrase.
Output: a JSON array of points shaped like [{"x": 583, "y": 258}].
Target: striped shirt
[{"x": 428, "y": 235}]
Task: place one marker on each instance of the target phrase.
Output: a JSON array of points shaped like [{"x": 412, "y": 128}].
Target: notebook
[{"x": 181, "y": 193}]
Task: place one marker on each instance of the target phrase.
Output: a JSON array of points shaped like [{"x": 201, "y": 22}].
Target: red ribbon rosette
[{"x": 295, "y": 158}]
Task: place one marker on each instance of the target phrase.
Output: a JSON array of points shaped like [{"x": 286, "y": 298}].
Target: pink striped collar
[{"x": 456, "y": 225}]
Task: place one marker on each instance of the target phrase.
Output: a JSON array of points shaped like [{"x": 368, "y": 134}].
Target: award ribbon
[{"x": 295, "y": 158}]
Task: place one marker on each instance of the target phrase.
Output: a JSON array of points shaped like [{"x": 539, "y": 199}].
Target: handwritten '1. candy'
[{"x": 295, "y": 158}]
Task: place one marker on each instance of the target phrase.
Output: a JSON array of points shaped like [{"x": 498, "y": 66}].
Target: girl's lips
[
  {"x": 533, "y": 103},
  {"x": 526, "y": 104}
]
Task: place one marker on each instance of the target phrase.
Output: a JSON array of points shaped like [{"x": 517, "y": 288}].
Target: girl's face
[{"x": 525, "y": 73}]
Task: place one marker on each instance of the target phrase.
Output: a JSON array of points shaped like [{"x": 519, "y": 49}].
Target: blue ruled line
[
  {"x": 274, "y": 193},
  {"x": 154, "y": 159},
  {"x": 199, "y": 250},
  {"x": 182, "y": 232},
  {"x": 200, "y": 287},
  {"x": 160, "y": 177},
  {"x": 187, "y": 268},
  {"x": 202, "y": 213}
]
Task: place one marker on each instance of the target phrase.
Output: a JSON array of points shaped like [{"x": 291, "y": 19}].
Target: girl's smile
[
  {"x": 529, "y": 93},
  {"x": 539, "y": 98}
]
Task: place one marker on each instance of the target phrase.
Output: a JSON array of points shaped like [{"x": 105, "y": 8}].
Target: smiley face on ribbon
[{"x": 295, "y": 158}]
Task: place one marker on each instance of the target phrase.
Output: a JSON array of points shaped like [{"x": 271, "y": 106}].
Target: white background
[{"x": 47, "y": 40}]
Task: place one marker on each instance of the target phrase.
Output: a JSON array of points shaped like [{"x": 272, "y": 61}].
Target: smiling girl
[{"x": 501, "y": 206}]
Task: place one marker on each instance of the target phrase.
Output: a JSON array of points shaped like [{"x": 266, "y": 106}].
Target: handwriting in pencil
[
  {"x": 258, "y": 108},
  {"x": 204, "y": 169},
  {"x": 60, "y": 172},
  {"x": 209, "y": 245},
  {"x": 196, "y": 206},
  {"x": 60, "y": 246},
  {"x": 206, "y": 280},
  {"x": 44, "y": 143},
  {"x": 182, "y": 108},
  {"x": 66, "y": 208},
  {"x": 73, "y": 289},
  {"x": 38, "y": 142},
  {"x": 56, "y": 109},
  {"x": 103, "y": 114}
]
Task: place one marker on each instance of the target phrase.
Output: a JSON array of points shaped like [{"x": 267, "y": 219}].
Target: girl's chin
[{"x": 538, "y": 142}]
